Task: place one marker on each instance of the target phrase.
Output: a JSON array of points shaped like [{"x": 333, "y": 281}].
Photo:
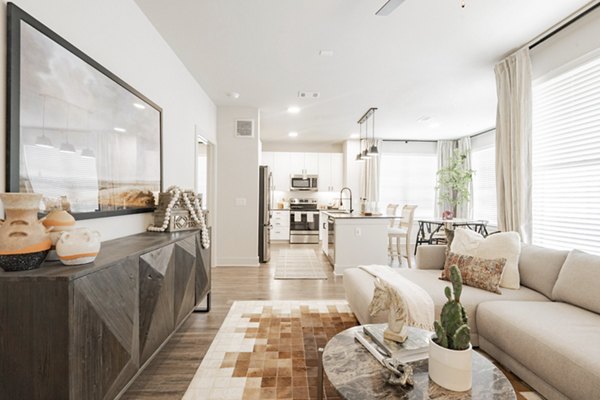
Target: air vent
[
  {"x": 308, "y": 95},
  {"x": 244, "y": 128}
]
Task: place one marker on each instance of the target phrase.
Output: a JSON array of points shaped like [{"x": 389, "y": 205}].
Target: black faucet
[{"x": 342, "y": 200}]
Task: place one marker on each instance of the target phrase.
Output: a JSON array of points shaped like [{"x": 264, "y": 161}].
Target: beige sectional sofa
[{"x": 547, "y": 332}]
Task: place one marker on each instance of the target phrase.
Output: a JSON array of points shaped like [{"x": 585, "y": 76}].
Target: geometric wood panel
[
  {"x": 103, "y": 323},
  {"x": 203, "y": 270},
  {"x": 156, "y": 308},
  {"x": 184, "y": 262}
]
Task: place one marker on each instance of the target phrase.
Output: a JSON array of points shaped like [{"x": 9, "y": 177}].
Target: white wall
[
  {"x": 118, "y": 35},
  {"x": 305, "y": 147},
  {"x": 352, "y": 170},
  {"x": 237, "y": 189}
]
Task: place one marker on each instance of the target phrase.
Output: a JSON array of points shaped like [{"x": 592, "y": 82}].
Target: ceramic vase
[
  {"x": 79, "y": 246},
  {"x": 24, "y": 240},
  {"x": 451, "y": 369},
  {"x": 57, "y": 221}
]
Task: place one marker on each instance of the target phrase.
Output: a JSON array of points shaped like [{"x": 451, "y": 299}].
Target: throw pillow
[
  {"x": 579, "y": 280},
  {"x": 477, "y": 272},
  {"x": 499, "y": 245}
]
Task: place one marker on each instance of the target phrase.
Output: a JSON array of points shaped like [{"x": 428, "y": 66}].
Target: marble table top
[{"x": 355, "y": 374}]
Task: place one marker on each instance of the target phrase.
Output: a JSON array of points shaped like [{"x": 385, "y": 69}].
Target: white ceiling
[{"x": 429, "y": 58}]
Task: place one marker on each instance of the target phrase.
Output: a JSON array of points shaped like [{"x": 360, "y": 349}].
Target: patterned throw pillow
[{"x": 477, "y": 272}]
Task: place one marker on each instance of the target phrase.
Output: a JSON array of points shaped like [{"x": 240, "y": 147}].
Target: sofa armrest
[{"x": 431, "y": 256}]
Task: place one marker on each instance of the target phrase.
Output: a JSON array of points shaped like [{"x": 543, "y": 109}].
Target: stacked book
[{"x": 416, "y": 346}]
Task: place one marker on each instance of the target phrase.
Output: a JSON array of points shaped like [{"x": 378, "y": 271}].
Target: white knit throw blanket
[{"x": 420, "y": 308}]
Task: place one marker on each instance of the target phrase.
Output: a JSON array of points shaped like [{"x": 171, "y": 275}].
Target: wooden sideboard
[{"x": 85, "y": 332}]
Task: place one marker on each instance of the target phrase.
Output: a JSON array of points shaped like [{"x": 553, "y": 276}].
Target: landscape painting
[{"x": 87, "y": 141}]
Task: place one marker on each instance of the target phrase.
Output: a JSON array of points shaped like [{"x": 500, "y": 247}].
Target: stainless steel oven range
[{"x": 304, "y": 221}]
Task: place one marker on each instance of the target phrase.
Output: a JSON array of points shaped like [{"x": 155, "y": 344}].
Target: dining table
[{"x": 430, "y": 228}]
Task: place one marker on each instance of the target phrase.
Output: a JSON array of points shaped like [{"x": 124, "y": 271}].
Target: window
[
  {"x": 566, "y": 157},
  {"x": 483, "y": 162},
  {"x": 408, "y": 176}
]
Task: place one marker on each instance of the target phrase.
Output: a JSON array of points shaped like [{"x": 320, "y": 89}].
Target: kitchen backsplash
[{"x": 324, "y": 198}]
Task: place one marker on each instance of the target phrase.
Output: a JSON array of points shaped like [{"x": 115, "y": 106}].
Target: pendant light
[
  {"x": 359, "y": 155},
  {"x": 365, "y": 153},
  {"x": 373, "y": 150},
  {"x": 44, "y": 141},
  {"x": 88, "y": 152},
  {"x": 66, "y": 147}
]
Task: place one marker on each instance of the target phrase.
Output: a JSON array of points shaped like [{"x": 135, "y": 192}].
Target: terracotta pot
[
  {"x": 451, "y": 369},
  {"x": 24, "y": 240},
  {"x": 80, "y": 246}
]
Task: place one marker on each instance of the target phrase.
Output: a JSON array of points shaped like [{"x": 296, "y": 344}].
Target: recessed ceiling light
[
  {"x": 293, "y": 134},
  {"x": 326, "y": 53},
  {"x": 139, "y": 106},
  {"x": 293, "y": 109},
  {"x": 233, "y": 95},
  {"x": 424, "y": 119},
  {"x": 355, "y": 136},
  {"x": 117, "y": 129}
]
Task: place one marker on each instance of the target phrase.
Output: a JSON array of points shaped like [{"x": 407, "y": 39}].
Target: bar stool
[{"x": 402, "y": 231}]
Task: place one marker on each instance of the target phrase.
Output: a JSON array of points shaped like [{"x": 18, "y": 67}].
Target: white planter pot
[{"x": 451, "y": 369}]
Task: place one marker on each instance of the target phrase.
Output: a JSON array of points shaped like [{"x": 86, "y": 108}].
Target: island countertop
[{"x": 355, "y": 215}]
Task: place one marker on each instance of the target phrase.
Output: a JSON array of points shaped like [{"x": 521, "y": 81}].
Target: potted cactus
[{"x": 450, "y": 349}]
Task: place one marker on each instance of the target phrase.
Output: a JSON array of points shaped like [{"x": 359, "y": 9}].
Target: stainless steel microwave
[{"x": 304, "y": 182}]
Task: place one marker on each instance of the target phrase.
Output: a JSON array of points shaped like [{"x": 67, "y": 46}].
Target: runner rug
[{"x": 298, "y": 264}]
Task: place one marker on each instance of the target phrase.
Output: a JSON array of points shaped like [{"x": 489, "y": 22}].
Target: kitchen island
[{"x": 355, "y": 239}]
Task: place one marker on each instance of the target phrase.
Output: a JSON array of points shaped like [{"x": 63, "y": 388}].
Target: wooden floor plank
[{"x": 169, "y": 374}]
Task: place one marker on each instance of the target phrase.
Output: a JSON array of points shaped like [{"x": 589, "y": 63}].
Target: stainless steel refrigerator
[{"x": 264, "y": 214}]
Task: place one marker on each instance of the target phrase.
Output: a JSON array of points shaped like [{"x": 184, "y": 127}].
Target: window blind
[
  {"x": 408, "y": 178},
  {"x": 483, "y": 162},
  {"x": 566, "y": 158}
]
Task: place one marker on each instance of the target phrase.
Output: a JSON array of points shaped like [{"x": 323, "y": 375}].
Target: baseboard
[{"x": 237, "y": 262}]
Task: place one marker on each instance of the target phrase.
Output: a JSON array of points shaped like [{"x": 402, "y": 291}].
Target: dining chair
[
  {"x": 390, "y": 211},
  {"x": 402, "y": 231}
]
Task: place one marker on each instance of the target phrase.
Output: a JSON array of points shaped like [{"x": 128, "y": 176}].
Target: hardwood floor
[{"x": 169, "y": 374}]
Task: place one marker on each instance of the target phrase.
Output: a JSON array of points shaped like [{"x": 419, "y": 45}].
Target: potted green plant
[
  {"x": 450, "y": 350},
  {"x": 453, "y": 183}
]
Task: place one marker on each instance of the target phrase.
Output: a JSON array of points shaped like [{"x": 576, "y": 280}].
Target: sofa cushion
[
  {"x": 578, "y": 282},
  {"x": 539, "y": 267},
  {"x": 470, "y": 297},
  {"x": 556, "y": 341},
  {"x": 359, "y": 292},
  {"x": 476, "y": 272},
  {"x": 500, "y": 245}
]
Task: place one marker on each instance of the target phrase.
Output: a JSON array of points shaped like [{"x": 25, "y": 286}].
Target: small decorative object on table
[
  {"x": 401, "y": 373},
  {"x": 180, "y": 210},
  {"x": 57, "y": 221},
  {"x": 385, "y": 297},
  {"x": 80, "y": 246},
  {"x": 446, "y": 215},
  {"x": 450, "y": 350},
  {"x": 24, "y": 240}
]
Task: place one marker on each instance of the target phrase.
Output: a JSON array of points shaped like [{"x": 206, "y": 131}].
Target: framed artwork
[{"x": 77, "y": 134}]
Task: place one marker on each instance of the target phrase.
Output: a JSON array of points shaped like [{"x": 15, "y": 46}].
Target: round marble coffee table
[{"x": 356, "y": 375}]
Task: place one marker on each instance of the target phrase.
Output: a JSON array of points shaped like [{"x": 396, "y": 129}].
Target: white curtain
[
  {"x": 465, "y": 210},
  {"x": 513, "y": 144},
  {"x": 445, "y": 151},
  {"x": 370, "y": 177}
]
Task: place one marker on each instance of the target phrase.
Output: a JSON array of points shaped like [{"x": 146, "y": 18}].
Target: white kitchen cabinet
[
  {"x": 280, "y": 222},
  {"x": 331, "y": 172},
  {"x": 337, "y": 172},
  {"x": 328, "y": 166},
  {"x": 311, "y": 163},
  {"x": 281, "y": 171},
  {"x": 266, "y": 158}
]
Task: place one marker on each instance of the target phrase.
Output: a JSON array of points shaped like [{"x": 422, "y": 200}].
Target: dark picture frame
[{"x": 118, "y": 197}]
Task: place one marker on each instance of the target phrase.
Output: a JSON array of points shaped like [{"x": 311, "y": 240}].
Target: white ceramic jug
[{"x": 79, "y": 246}]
